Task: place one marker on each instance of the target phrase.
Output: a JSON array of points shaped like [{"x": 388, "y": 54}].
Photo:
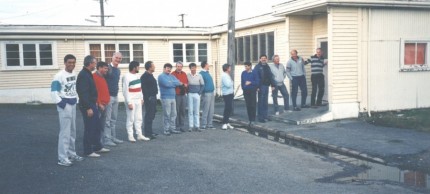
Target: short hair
[
  {"x": 69, "y": 56},
  {"x": 274, "y": 56},
  {"x": 294, "y": 50},
  {"x": 225, "y": 67},
  {"x": 167, "y": 65},
  {"x": 179, "y": 63},
  {"x": 148, "y": 65},
  {"x": 263, "y": 55},
  {"x": 192, "y": 65},
  {"x": 133, "y": 65},
  {"x": 116, "y": 53},
  {"x": 247, "y": 63},
  {"x": 203, "y": 64},
  {"x": 101, "y": 64},
  {"x": 88, "y": 60}
]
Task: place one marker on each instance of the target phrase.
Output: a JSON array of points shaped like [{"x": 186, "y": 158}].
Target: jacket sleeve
[
  {"x": 56, "y": 89},
  {"x": 83, "y": 89},
  {"x": 125, "y": 89},
  {"x": 288, "y": 70}
]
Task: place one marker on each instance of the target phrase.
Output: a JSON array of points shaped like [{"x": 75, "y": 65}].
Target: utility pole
[
  {"x": 102, "y": 14},
  {"x": 182, "y": 19},
  {"x": 231, "y": 39}
]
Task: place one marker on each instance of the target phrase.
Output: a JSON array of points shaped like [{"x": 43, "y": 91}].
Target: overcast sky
[{"x": 199, "y": 13}]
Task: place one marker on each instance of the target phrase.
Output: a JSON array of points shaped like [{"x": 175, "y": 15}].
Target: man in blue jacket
[{"x": 264, "y": 74}]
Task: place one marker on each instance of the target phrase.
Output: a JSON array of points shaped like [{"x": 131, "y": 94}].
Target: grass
[{"x": 417, "y": 119}]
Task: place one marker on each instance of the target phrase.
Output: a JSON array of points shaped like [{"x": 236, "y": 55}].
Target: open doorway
[{"x": 323, "y": 44}]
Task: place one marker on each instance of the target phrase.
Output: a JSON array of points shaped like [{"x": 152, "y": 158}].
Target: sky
[{"x": 198, "y": 13}]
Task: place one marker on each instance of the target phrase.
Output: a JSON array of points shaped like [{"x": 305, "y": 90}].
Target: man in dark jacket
[
  {"x": 264, "y": 74},
  {"x": 87, "y": 93}
]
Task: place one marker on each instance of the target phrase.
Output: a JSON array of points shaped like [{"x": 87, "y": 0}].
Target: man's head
[
  {"x": 69, "y": 62},
  {"x": 275, "y": 59},
  {"x": 263, "y": 59},
  {"x": 167, "y": 68},
  {"x": 248, "y": 65},
  {"x": 294, "y": 53},
  {"x": 102, "y": 68},
  {"x": 149, "y": 66},
  {"x": 116, "y": 59},
  {"x": 319, "y": 52},
  {"x": 133, "y": 67},
  {"x": 179, "y": 66},
  {"x": 193, "y": 68},
  {"x": 90, "y": 62},
  {"x": 205, "y": 65},
  {"x": 226, "y": 67}
]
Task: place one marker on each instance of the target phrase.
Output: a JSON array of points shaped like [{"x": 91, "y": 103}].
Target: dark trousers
[
  {"x": 228, "y": 107},
  {"x": 317, "y": 84},
  {"x": 251, "y": 102},
  {"x": 285, "y": 96},
  {"x": 263, "y": 102},
  {"x": 181, "y": 105},
  {"x": 150, "y": 110},
  {"x": 92, "y": 130},
  {"x": 299, "y": 81}
]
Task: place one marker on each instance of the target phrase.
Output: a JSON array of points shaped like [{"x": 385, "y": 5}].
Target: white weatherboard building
[{"x": 378, "y": 50}]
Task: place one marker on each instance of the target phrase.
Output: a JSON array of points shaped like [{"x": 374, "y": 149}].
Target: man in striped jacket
[{"x": 317, "y": 77}]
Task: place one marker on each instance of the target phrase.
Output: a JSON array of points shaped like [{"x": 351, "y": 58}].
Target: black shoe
[
  {"x": 296, "y": 109},
  {"x": 261, "y": 121},
  {"x": 267, "y": 119},
  {"x": 152, "y": 137},
  {"x": 305, "y": 106},
  {"x": 154, "y": 134},
  {"x": 182, "y": 130}
]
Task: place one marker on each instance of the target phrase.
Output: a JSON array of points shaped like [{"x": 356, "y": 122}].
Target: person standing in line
[
  {"x": 181, "y": 96},
  {"x": 227, "y": 94},
  {"x": 63, "y": 92},
  {"x": 87, "y": 93},
  {"x": 249, "y": 84},
  {"x": 296, "y": 73},
  {"x": 112, "y": 79},
  {"x": 149, "y": 90},
  {"x": 208, "y": 97},
  {"x": 195, "y": 89},
  {"x": 279, "y": 73},
  {"x": 131, "y": 89},
  {"x": 264, "y": 74},
  {"x": 103, "y": 93},
  {"x": 167, "y": 84},
  {"x": 317, "y": 78}
]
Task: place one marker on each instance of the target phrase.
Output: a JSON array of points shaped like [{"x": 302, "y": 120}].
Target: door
[{"x": 323, "y": 44}]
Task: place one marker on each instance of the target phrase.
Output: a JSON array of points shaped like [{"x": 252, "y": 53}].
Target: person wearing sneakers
[
  {"x": 87, "y": 92},
  {"x": 63, "y": 92},
  {"x": 227, "y": 94},
  {"x": 133, "y": 99},
  {"x": 112, "y": 79},
  {"x": 167, "y": 84},
  {"x": 102, "y": 94},
  {"x": 195, "y": 89}
]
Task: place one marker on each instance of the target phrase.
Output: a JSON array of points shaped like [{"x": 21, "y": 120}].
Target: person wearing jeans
[
  {"x": 195, "y": 89},
  {"x": 262, "y": 70},
  {"x": 279, "y": 73},
  {"x": 296, "y": 73},
  {"x": 227, "y": 94}
]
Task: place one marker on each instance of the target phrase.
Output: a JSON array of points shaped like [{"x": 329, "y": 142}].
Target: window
[
  {"x": 415, "y": 56},
  {"x": 190, "y": 52},
  {"x": 130, "y": 51},
  {"x": 249, "y": 48},
  {"x": 28, "y": 55}
]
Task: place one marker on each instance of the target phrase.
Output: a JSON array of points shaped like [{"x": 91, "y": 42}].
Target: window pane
[
  {"x": 270, "y": 44},
  {"x": 262, "y": 45},
  {"x": 421, "y": 53},
  {"x": 95, "y": 51},
  {"x": 190, "y": 52},
  {"x": 247, "y": 48},
  {"x": 45, "y": 52},
  {"x": 409, "y": 53},
  {"x": 125, "y": 50},
  {"x": 254, "y": 49},
  {"x": 29, "y": 54},
  {"x": 109, "y": 51},
  {"x": 177, "y": 52},
  {"x": 203, "y": 52},
  {"x": 240, "y": 51},
  {"x": 138, "y": 53},
  {"x": 12, "y": 54}
]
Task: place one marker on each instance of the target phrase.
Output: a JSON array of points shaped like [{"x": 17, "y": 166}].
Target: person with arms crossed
[
  {"x": 149, "y": 91},
  {"x": 181, "y": 96}
]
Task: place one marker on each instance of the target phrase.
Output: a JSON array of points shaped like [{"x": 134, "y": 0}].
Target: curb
[{"x": 290, "y": 139}]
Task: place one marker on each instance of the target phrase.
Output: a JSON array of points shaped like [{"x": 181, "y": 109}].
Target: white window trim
[
  {"x": 22, "y": 67},
  {"x": 121, "y": 65},
  {"x": 186, "y": 63},
  {"x": 417, "y": 67}
]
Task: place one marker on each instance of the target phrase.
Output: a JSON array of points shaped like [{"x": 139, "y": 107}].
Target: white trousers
[{"x": 134, "y": 117}]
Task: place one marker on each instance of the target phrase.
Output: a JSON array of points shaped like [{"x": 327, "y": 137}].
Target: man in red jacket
[
  {"x": 181, "y": 96},
  {"x": 103, "y": 96}
]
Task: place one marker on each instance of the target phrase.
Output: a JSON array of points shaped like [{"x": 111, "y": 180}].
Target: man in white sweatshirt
[
  {"x": 133, "y": 98},
  {"x": 63, "y": 93}
]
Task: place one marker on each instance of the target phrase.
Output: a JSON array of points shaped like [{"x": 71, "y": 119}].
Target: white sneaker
[
  {"x": 224, "y": 127},
  {"x": 141, "y": 137},
  {"x": 93, "y": 155},
  {"x": 229, "y": 126},
  {"x": 277, "y": 113},
  {"x": 103, "y": 150},
  {"x": 131, "y": 138}
]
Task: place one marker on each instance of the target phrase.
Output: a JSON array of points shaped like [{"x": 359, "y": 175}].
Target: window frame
[
  {"x": 184, "y": 51},
  {"x": 117, "y": 43},
  {"x": 251, "y": 53},
  {"x": 414, "y": 67},
  {"x": 38, "y": 65}
]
